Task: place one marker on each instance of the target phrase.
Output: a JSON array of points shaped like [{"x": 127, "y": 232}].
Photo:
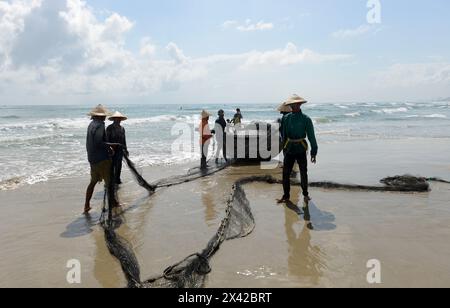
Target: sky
[{"x": 222, "y": 51}]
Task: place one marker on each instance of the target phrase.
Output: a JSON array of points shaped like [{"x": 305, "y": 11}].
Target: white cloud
[
  {"x": 61, "y": 48},
  {"x": 248, "y": 25},
  {"x": 12, "y": 23},
  {"x": 288, "y": 56},
  {"x": 230, "y": 24},
  {"x": 356, "y": 32},
  {"x": 147, "y": 48},
  {"x": 176, "y": 53},
  {"x": 415, "y": 74}
]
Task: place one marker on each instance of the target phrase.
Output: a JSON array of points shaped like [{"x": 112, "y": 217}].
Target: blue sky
[
  {"x": 189, "y": 51},
  {"x": 415, "y": 28}
]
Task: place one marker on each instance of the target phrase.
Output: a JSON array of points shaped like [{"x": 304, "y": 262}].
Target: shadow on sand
[
  {"x": 81, "y": 226},
  {"x": 315, "y": 218}
]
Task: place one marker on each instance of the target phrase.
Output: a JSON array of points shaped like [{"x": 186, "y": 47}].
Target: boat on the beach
[{"x": 255, "y": 142}]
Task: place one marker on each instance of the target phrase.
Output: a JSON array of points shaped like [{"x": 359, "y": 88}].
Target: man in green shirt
[{"x": 296, "y": 128}]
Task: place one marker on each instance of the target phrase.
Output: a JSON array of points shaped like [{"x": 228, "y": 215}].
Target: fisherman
[
  {"x": 116, "y": 134},
  {"x": 296, "y": 127},
  {"x": 284, "y": 110},
  {"x": 237, "y": 119},
  {"x": 99, "y": 155},
  {"x": 221, "y": 137},
  {"x": 205, "y": 138}
]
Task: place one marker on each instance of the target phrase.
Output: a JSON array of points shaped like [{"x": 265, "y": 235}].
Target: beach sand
[{"x": 41, "y": 227}]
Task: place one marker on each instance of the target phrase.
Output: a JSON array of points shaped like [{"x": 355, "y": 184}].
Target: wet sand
[{"x": 42, "y": 228}]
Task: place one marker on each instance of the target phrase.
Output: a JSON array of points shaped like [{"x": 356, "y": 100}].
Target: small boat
[{"x": 255, "y": 142}]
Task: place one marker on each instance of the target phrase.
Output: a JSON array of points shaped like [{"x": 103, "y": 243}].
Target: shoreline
[{"x": 334, "y": 148}]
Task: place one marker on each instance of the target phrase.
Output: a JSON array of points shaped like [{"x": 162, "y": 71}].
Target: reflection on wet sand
[
  {"x": 106, "y": 270},
  {"x": 305, "y": 260},
  {"x": 210, "y": 207}
]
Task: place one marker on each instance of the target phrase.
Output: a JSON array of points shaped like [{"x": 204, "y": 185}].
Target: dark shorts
[{"x": 101, "y": 172}]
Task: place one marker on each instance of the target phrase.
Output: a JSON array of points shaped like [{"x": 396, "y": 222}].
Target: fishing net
[
  {"x": 139, "y": 178},
  {"x": 404, "y": 183},
  {"x": 192, "y": 175},
  {"x": 238, "y": 222}
]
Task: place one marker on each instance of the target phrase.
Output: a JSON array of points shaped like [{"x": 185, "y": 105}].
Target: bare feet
[
  {"x": 283, "y": 200},
  {"x": 87, "y": 209}
]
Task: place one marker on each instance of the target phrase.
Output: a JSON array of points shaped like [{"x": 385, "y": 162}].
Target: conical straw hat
[
  {"x": 284, "y": 108},
  {"x": 117, "y": 115},
  {"x": 99, "y": 111},
  {"x": 205, "y": 114},
  {"x": 295, "y": 99}
]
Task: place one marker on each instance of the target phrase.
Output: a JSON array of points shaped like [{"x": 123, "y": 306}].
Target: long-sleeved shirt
[
  {"x": 298, "y": 126},
  {"x": 96, "y": 145},
  {"x": 280, "y": 121},
  {"x": 205, "y": 132},
  {"x": 116, "y": 134},
  {"x": 221, "y": 124}
]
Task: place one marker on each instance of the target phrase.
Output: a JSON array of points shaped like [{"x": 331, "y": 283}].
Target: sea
[{"x": 40, "y": 143}]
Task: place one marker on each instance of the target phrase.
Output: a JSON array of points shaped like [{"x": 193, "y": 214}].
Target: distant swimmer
[{"x": 296, "y": 128}]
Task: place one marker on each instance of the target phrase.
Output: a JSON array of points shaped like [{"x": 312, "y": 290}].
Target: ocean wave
[
  {"x": 341, "y": 106},
  {"x": 391, "y": 110},
  {"x": 333, "y": 132},
  {"x": 429, "y": 116},
  {"x": 10, "y": 117},
  {"x": 10, "y": 184},
  {"x": 30, "y": 139},
  {"x": 322, "y": 120},
  {"x": 75, "y": 166},
  {"x": 50, "y": 124},
  {"x": 163, "y": 118},
  {"x": 436, "y": 116},
  {"x": 16, "y": 182},
  {"x": 83, "y": 123},
  {"x": 353, "y": 115}
]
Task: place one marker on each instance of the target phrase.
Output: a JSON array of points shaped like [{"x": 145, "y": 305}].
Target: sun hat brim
[
  {"x": 296, "y": 102},
  {"x": 284, "y": 108},
  {"x": 118, "y": 118},
  {"x": 205, "y": 114},
  {"x": 99, "y": 111},
  {"x": 97, "y": 114}
]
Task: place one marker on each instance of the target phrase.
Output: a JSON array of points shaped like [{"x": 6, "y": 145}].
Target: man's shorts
[{"x": 101, "y": 172}]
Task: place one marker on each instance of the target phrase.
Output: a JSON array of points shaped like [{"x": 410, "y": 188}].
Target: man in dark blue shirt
[{"x": 116, "y": 134}]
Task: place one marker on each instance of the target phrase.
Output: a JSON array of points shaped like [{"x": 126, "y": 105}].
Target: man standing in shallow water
[{"x": 296, "y": 127}]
